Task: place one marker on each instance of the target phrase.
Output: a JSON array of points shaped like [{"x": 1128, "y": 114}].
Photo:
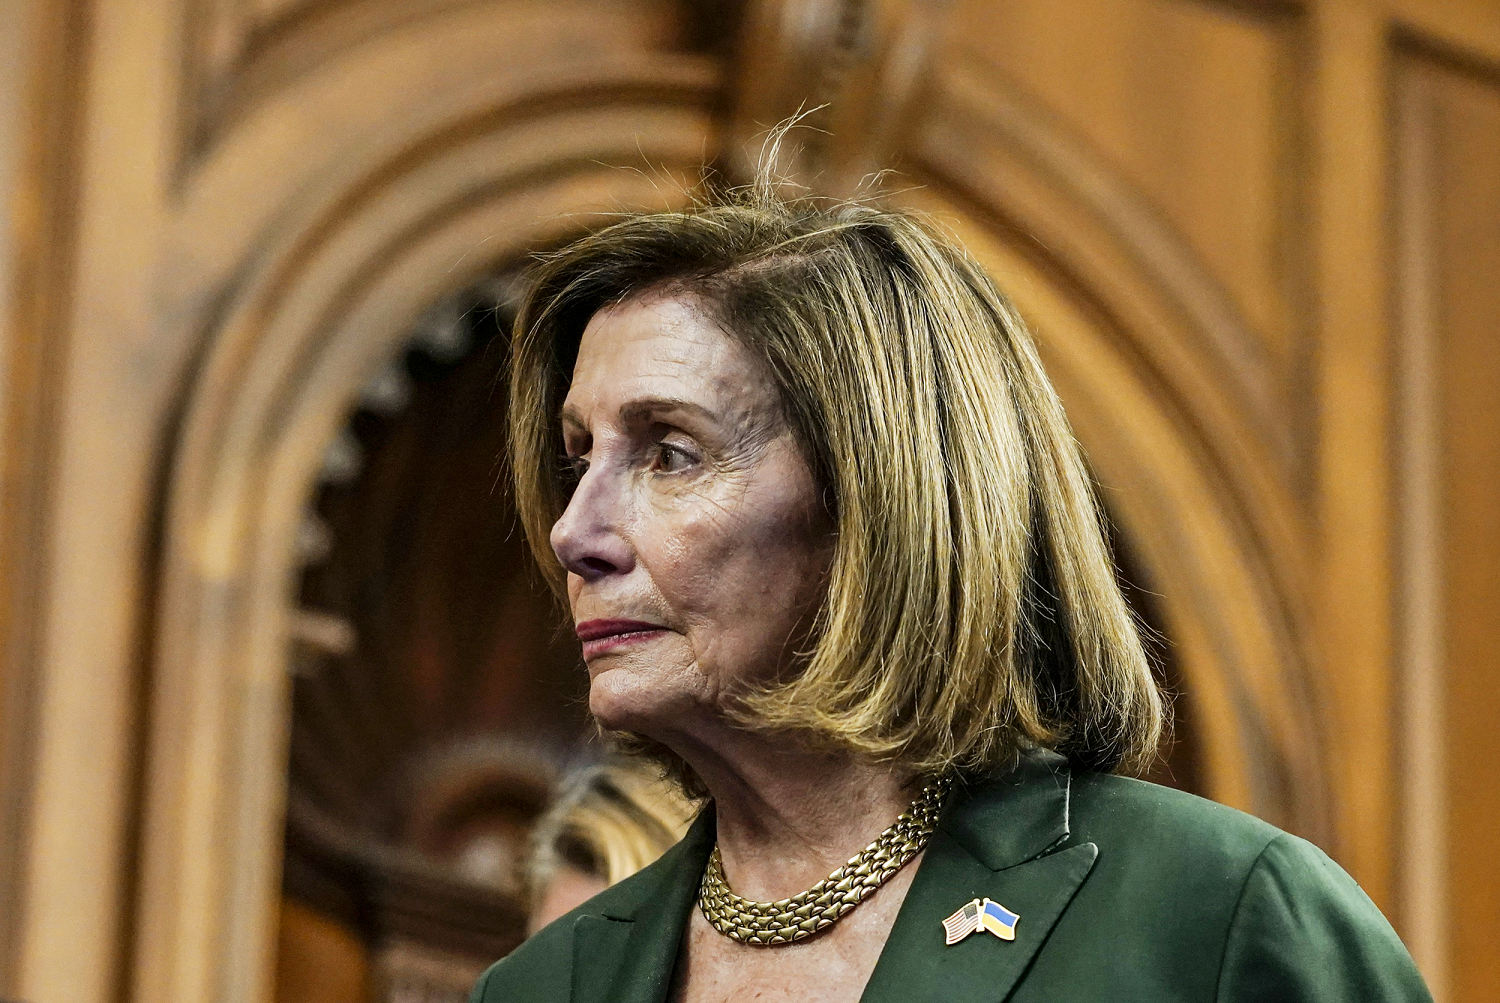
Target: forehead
[{"x": 663, "y": 345}]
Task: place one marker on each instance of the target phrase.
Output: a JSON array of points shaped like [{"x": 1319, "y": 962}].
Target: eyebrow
[{"x": 642, "y": 408}]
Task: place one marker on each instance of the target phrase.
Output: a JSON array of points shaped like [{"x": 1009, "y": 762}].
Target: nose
[{"x": 587, "y": 537}]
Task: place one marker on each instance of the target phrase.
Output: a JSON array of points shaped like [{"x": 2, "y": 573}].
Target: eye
[
  {"x": 570, "y": 470},
  {"x": 670, "y": 459}
]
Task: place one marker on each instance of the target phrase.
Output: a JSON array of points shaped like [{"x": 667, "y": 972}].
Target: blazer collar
[
  {"x": 1017, "y": 817},
  {"x": 992, "y": 843},
  {"x": 1007, "y": 841}
]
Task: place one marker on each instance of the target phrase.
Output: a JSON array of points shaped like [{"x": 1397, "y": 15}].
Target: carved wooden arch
[
  {"x": 293, "y": 323},
  {"x": 301, "y": 324},
  {"x": 1180, "y": 422}
]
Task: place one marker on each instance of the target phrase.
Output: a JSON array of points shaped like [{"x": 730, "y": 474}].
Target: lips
[
  {"x": 599, "y": 636},
  {"x": 593, "y": 630}
]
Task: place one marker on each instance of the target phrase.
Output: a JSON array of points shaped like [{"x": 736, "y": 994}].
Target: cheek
[
  {"x": 752, "y": 567},
  {"x": 694, "y": 560}
]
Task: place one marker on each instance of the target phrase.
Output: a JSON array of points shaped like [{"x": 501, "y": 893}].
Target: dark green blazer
[{"x": 1125, "y": 891}]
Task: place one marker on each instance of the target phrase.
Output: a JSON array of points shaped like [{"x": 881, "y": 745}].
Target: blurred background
[{"x": 280, "y": 698}]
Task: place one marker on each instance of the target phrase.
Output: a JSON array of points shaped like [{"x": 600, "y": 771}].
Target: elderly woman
[{"x": 832, "y": 554}]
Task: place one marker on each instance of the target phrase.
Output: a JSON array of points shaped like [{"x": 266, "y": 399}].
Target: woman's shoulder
[
  {"x": 1201, "y": 879},
  {"x": 1102, "y": 806},
  {"x": 1208, "y": 901},
  {"x": 1196, "y": 846},
  {"x": 1058, "y": 800}
]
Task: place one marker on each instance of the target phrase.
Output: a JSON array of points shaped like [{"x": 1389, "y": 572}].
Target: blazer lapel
[
  {"x": 993, "y": 845},
  {"x": 628, "y": 954},
  {"x": 599, "y": 954}
]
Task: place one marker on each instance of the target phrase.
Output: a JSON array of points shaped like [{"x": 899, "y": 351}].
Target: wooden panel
[
  {"x": 99, "y": 107},
  {"x": 239, "y": 60},
  {"x": 27, "y": 383},
  {"x": 1450, "y": 146},
  {"x": 1194, "y": 103},
  {"x": 319, "y": 959},
  {"x": 268, "y": 11},
  {"x": 1352, "y": 508},
  {"x": 1471, "y": 26}
]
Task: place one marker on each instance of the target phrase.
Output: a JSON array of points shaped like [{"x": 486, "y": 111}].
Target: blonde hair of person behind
[
  {"x": 608, "y": 820},
  {"x": 972, "y": 609}
]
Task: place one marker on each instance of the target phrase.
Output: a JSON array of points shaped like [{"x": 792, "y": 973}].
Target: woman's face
[{"x": 695, "y": 544}]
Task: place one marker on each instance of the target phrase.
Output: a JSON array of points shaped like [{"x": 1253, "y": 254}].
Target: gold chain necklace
[{"x": 787, "y": 921}]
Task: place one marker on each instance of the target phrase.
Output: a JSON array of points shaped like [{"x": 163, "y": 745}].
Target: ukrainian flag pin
[{"x": 980, "y": 914}]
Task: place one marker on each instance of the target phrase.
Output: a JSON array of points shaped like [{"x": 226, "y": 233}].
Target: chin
[
  {"x": 620, "y": 700},
  {"x": 612, "y": 708}
]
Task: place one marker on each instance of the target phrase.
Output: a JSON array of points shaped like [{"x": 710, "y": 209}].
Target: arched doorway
[{"x": 312, "y": 312}]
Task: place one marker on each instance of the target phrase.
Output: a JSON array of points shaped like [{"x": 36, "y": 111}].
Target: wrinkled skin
[
  {"x": 694, "y": 512},
  {"x": 696, "y": 517}
]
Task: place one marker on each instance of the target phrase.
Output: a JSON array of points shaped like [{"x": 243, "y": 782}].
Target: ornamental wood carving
[
  {"x": 1255, "y": 237},
  {"x": 324, "y": 271}
]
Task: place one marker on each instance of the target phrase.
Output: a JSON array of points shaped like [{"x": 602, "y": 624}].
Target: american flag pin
[{"x": 980, "y": 914}]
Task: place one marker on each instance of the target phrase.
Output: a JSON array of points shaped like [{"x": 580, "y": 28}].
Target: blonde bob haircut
[{"x": 972, "y": 609}]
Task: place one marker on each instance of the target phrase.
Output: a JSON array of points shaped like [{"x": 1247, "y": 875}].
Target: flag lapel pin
[{"x": 980, "y": 914}]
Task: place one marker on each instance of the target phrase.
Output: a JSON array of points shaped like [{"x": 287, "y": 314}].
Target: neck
[{"x": 788, "y": 815}]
